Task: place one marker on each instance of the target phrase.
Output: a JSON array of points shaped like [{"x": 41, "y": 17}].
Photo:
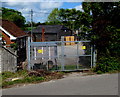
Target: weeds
[
  {"x": 107, "y": 64},
  {"x": 27, "y": 77}
]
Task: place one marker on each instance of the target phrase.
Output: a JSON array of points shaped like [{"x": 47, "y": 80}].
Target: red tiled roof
[{"x": 12, "y": 28}]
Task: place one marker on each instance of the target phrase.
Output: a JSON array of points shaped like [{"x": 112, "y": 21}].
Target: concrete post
[
  {"x": 28, "y": 54},
  {"x": 62, "y": 53},
  {"x": 94, "y": 56}
]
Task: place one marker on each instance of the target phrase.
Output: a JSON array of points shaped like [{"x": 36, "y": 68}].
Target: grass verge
[{"x": 10, "y": 79}]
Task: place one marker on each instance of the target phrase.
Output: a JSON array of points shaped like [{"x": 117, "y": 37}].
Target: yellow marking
[
  {"x": 40, "y": 51},
  {"x": 83, "y": 47}
]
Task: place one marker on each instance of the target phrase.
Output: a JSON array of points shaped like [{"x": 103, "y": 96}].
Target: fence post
[
  {"x": 62, "y": 53},
  {"x": 78, "y": 55},
  {"x": 28, "y": 54},
  {"x": 94, "y": 56},
  {"x": 92, "y": 49}
]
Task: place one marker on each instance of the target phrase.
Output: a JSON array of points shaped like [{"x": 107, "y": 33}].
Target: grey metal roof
[{"x": 50, "y": 28}]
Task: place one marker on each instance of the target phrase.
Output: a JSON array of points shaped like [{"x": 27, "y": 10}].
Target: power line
[
  {"x": 31, "y": 14},
  {"x": 38, "y": 12},
  {"x": 41, "y": 12}
]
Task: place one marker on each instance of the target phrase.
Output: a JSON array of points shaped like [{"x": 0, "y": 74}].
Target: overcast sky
[{"x": 41, "y": 8}]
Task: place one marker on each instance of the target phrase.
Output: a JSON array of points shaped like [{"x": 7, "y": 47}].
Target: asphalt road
[{"x": 75, "y": 84}]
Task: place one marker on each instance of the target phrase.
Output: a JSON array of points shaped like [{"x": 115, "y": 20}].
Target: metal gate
[{"x": 60, "y": 55}]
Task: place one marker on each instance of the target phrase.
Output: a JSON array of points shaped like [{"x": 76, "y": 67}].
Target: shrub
[
  {"x": 99, "y": 72},
  {"x": 107, "y": 64}
]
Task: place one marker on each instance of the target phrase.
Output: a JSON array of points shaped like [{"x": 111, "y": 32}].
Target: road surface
[{"x": 75, "y": 84}]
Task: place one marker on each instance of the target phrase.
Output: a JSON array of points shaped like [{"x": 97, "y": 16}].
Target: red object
[{"x": 43, "y": 34}]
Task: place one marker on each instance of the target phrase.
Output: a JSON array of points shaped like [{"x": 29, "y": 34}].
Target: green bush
[
  {"x": 99, "y": 72},
  {"x": 107, "y": 64}
]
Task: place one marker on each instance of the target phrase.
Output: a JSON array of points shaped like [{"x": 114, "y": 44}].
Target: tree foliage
[
  {"x": 73, "y": 19},
  {"x": 67, "y": 17},
  {"x": 53, "y": 17},
  {"x": 100, "y": 23},
  {"x": 106, "y": 27},
  {"x": 105, "y": 33},
  {"x": 14, "y": 16}
]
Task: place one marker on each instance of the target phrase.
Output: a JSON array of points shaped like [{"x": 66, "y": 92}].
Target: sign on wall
[
  {"x": 83, "y": 47},
  {"x": 40, "y": 51}
]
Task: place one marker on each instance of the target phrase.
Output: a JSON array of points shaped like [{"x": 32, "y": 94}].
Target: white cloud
[
  {"x": 12, "y": 3},
  {"x": 72, "y": 0},
  {"x": 79, "y": 8},
  {"x": 22, "y": 0},
  {"x": 44, "y": 0},
  {"x": 24, "y": 10},
  {"x": 40, "y": 9},
  {"x": 17, "y": 4},
  {"x": 50, "y": 5}
]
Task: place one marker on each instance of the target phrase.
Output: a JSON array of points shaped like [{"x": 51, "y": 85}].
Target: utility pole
[{"x": 31, "y": 13}]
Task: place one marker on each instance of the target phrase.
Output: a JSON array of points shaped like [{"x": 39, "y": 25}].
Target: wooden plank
[
  {"x": 72, "y": 39},
  {"x": 67, "y": 38}
]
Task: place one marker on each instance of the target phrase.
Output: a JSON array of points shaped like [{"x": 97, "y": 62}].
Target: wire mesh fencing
[{"x": 60, "y": 55}]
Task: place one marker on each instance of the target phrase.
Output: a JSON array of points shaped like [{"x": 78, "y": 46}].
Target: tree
[
  {"x": 105, "y": 34},
  {"x": 53, "y": 17},
  {"x": 73, "y": 19},
  {"x": 14, "y": 16},
  {"x": 67, "y": 17},
  {"x": 105, "y": 26}
]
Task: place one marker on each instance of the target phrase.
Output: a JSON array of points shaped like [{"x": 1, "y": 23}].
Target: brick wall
[{"x": 6, "y": 38}]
